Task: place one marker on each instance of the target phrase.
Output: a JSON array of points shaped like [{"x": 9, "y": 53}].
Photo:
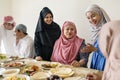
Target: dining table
[{"x": 77, "y": 72}]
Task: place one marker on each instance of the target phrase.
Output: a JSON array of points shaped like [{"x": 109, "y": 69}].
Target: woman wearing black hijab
[{"x": 47, "y": 32}]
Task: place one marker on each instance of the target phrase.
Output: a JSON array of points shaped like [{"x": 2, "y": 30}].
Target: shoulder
[{"x": 56, "y": 24}]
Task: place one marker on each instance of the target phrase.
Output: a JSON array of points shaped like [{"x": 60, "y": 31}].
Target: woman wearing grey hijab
[{"x": 97, "y": 17}]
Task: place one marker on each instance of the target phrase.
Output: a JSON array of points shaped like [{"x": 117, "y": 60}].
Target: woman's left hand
[{"x": 75, "y": 63}]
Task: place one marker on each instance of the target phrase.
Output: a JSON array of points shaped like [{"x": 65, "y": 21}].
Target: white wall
[
  {"x": 5, "y": 8},
  {"x": 27, "y": 12}
]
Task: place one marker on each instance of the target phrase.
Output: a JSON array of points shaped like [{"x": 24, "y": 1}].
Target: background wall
[{"x": 27, "y": 12}]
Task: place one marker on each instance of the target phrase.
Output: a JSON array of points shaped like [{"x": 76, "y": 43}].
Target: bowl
[{"x": 10, "y": 72}]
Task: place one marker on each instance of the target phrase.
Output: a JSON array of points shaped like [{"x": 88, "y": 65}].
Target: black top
[{"x": 45, "y": 35}]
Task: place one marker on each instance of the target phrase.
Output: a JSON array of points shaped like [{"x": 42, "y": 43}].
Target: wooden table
[{"x": 78, "y": 71}]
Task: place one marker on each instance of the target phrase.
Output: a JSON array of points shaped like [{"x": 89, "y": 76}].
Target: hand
[
  {"x": 75, "y": 63},
  {"x": 93, "y": 76},
  {"x": 38, "y": 58},
  {"x": 88, "y": 48},
  {"x": 82, "y": 62}
]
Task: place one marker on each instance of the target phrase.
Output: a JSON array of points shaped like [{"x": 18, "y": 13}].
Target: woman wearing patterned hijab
[
  {"x": 47, "y": 32},
  {"x": 67, "y": 47},
  {"x": 97, "y": 17}
]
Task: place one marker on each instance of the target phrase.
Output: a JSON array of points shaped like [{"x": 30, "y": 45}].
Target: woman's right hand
[
  {"x": 88, "y": 48},
  {"x": 38, "y": 58}
]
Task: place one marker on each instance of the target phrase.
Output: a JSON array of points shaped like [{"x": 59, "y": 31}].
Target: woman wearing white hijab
[
  {"x": 110, "y": 37},
  {"x": 97, "y": 17}
]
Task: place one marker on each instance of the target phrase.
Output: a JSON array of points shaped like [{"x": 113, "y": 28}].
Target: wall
[
  {"x": 5, "y": 8},
  {"x": 27, "y": 12}
]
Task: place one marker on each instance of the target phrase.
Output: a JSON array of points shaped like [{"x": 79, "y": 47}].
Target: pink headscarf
[
  {"x": 109, "y": 41},
  {"x": 9, "y": 19},
  {"x": 66, "y": 50}
]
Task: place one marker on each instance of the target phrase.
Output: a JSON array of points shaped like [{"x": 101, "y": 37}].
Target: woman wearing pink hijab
[
  {"x": 67, "y": 47},
  {"x": 109, "y": 41}
]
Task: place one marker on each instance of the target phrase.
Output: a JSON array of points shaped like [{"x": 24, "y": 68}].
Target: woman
[
  {"x": 109, "y": 36},
  {"x": 47, "y": 32},
  {"x": 96, "y": 17},
  {"x": 67, "y": 47}
]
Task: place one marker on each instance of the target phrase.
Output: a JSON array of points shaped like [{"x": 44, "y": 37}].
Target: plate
[
  {"x": 14, "y": 64},
  {"x": 49, "y": 65},
  {"x": 1, "y": 70},
  {"x": 4, "y": 58},
  {"x": 18, "y": 77},
  {"x": 10, "y": 72},
  {"x": 62, "y": 72},
  {"x": 40, "y": 76},
  {"x": 74, "y": 78}
]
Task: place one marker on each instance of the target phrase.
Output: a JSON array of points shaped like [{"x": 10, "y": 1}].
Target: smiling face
[
  {"x": 69, "y": 31},
  {"x": 93, "y": 18},
  {"x": 48, "y": 18},
  {"x": 9, "y": 26}
]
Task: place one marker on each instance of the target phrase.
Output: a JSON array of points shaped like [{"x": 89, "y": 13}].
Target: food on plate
[
  {"x": 14, "y": 64},
  {"x": 54, "y": 77},
  {"x": 51, "y": 65},
  {"x": 30, "y": 68},
  {"x": 40, "y": 76},
  {"x": 62, "y": 72},
  {"x": 15, "y": 78},
  {"x": 10, "y": 72},
  {"x": 3, "y": 56},
  {"x": 14, "y": 57}
]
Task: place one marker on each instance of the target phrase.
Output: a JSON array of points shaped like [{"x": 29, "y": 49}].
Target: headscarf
[
  {"x": 104, "y": 18},
  {"x": 109, "y": 41},
  {"x": 9, "y": 19},
  {"x": 66, "y": 50},
  {"x": 48, "y": 32}
]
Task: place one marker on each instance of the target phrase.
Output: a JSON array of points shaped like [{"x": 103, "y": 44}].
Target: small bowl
[{"x": 10, "y": 72}]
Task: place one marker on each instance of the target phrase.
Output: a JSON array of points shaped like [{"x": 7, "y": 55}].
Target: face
[
  {"x": 48, "y": 19},
  {"x": 8, "y": 26},
  {"x": 93, "y": 18},
  {"x": 69, "y": 32},
  {"x": 18, "y": 34}
]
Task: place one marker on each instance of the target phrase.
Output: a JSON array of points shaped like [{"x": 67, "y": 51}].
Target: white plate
[
  {"x": 74, "y": 78},
  {"x": 62, "y": 72},
  {"x": 1, "y": 70},
  {"x": 20, "y": 76},
  {"x": 10, "y": 72},
  {"x": 40, "y": 76}
]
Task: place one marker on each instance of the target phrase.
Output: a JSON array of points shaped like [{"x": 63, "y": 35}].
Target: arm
[
  {"x": 88, "y": 48},
  {"x": 82, "y": 58}
]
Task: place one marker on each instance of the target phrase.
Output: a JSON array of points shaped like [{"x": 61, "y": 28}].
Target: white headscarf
[{"x": 105, "y": 18}]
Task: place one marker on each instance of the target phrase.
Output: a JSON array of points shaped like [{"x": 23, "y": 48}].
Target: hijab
[
  {"x": 110, "y": 37},
  {"x": 48, "y": 32},
  {"x": 66, "y": 50},
  {"x": 104, "y": 18}
]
